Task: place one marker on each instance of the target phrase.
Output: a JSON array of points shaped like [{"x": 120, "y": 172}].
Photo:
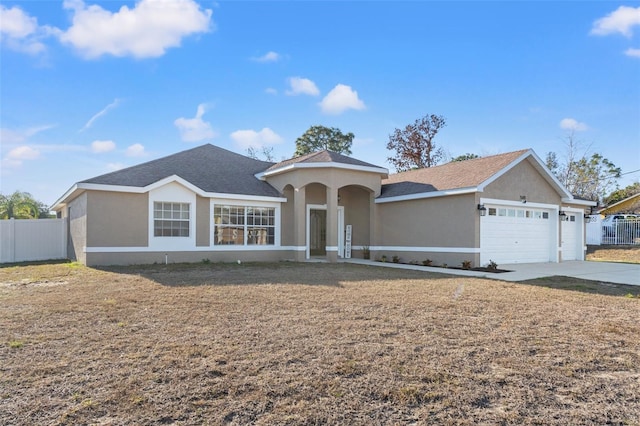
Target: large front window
[
  {"x": 244, "y": 225},
  {"x": 170, "y": 219}
]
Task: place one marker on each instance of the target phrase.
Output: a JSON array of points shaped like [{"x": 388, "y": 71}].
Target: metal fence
[
  {"x": 618, "y": 232},
  {"x": 32, "y": 239}
]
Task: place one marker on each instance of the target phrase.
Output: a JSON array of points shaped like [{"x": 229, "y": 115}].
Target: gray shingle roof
[
  {"x": 210, "y": 168},
  {"x": 325, "y": 156},
  {"x": 455, "y": 175}
]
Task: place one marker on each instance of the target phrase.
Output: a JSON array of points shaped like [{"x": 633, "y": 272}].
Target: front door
[{"x": 318, "y": 232}]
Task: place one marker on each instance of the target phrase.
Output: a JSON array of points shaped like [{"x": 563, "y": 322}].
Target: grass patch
[
  {"x": 620, "y": 254},
  {"x": 16, "y": 344}
]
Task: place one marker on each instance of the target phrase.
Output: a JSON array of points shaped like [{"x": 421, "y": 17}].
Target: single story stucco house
[{"x": 210, "y": 203}]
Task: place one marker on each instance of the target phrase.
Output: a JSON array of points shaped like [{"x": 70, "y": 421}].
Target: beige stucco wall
[
  {"x": 316, "y": 194},
  {"x": 117, "y": 219},
  {"x": 356, "y": 213},
  {"x": 286, "y": 218},
  {"x": 203, "y": 221},
  {"x": 431, "y": 222},
  {"x": 76, "y": 212},
  {"x": 523, "y": 179}
]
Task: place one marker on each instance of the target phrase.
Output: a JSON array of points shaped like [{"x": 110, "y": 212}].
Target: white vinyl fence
[
  {"x": 26, "y": 240},
  {"x": 619, "y": 232},
  {"x": 594, "y": 230}
]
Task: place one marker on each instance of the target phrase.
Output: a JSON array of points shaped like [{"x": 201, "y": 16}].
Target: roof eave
[
  {"x": 321, "y": 165},
  {"x": 71, "y": 193},
  {"x": 81, "y": 187},
  {"x": 579, "y": 202},
  {"x": 423, "y": 195}
]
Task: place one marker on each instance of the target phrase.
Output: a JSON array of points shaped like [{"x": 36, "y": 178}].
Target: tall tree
[
  {"x": 414, "y": 145},
  {"x": 266, "y": 152},
  {"x": 318, "y": 138},
  {"x": 589, "y": 177},
  {"x": 463, "y": 157},
  {"x": 21, "y": 205},
  {"x": 621, "y": 194}
]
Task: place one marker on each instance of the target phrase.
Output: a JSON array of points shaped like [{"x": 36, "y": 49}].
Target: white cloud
[
  {"x": 573, "y": 124},
  {"x": 195, "y": 129},
  {"x": 268, "y": 57},
  {"x": 16, "y": 23},
  {"x": 21, "y": 32},
  {"x": 135, "y": 150},
  {"x": 634, "y": 53},
  {"x": 102, "y": 146},
  {"x": 9, "y": 136},
  {"x": 253, "y": 139},
  {"x": 619, "y": 21},
  {"x": 16, "y": 156},
  {"x": 145, "y": 31},
  {"x": 104, "y": 110},
  {"x": 340, "y": 99},
  {"x": 270, "y": 91},
  {"x": 23, "y": 153},
  {"x": 302, "y": 86}
]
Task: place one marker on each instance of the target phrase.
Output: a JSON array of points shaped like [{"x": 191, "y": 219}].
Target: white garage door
[
  {"x": 569, "y": 232},
  {"x": 515, "y": 235}
]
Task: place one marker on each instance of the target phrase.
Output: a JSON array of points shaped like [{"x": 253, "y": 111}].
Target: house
[
  {"x": 210, "y": 203},
  {"x": 628, "y": 205}
]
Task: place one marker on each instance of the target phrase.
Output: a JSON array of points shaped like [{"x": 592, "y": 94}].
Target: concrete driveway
[{"x": 620, "y": 273}]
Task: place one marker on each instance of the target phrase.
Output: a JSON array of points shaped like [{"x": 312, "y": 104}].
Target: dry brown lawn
[
  {"x": 309, "y": 344},
  {"x": 627, "y": 254}
]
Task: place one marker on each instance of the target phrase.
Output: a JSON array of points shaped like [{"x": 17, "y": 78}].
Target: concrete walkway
[{"x": 620, "y": 273}]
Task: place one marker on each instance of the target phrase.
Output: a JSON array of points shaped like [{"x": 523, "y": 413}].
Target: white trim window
[
  {"x": 244, "y": 225},
  {"x": 171, "y": 219},
  {"x": 519, "y": 213}
]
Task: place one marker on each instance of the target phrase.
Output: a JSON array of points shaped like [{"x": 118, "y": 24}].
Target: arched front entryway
[{"x": 322, "y": 199}]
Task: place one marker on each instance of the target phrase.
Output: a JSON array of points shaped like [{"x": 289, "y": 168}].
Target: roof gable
[
  {"x": 454, "y": 175},
  {"x": 322, "y": 159},
  {"x": 324, "y": 156},
  {"x": 208, "y": 167},
  {"x": 472, "y": 175},
  {"x": 622, "y": 204}
]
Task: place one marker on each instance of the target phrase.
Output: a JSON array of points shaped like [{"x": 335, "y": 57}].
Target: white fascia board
[
  {"x": 422, "y": 195},
  {"x": 495, "y": 201},
  {"x": 163, "y": 182},
  {"x": 543, "y": 168},
  {"x": 579, "y": 202},
  {"x": 324, "y": 165},
  {"x": 62, "y": 201},
  {"x": 242, "y": 197}
]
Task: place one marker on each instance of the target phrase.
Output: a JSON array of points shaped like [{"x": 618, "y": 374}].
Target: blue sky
[{"x": 90, "y": 87}]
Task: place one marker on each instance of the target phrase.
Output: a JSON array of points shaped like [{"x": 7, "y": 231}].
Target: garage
[{"x": 510, "y": 234}]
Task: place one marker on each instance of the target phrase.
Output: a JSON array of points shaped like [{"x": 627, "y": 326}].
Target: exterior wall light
[
  {"x": 482, "y": 209},
  {"x": 562, "y": 214},
  {"x": 523, "y": 199}
]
